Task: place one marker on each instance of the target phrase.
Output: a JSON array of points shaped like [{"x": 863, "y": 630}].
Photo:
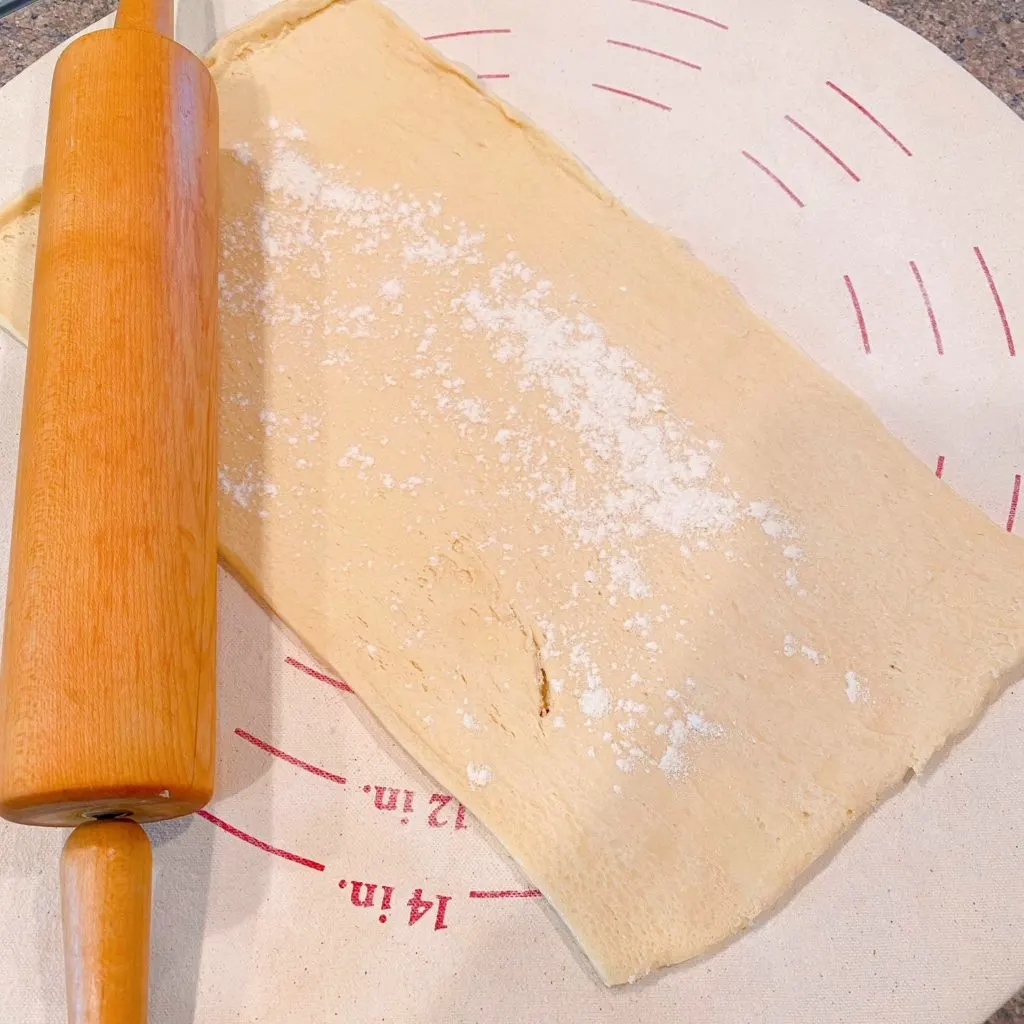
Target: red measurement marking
[
  {"x": 418, "y": 906},
  {"x": 503, "y": 894},
  {"x": 631, "y": 95},
  {"x": 685, "y": 13},
  {"x": 778, "y": 181},
  {"x": 358, "y": 900},
  {"x": 867, "y": 113},
  {"x": 999, "y": 302},
  {"x": 493, "y": 76},
  {"x": 258, "y": 843},
  {"x": 339, "y": 683},
  {"x": 831, "y": 152},
  {"x": 304, "y": 765},
  {"x": 441, "y": 800},
  {"x": 390, "y": 803},
  {"x": 654, "y": 53},
  {"x": 940, "y": 465},
  {"x": 1011, "y": 518},
  {"x": 928, "y": 306},
  {"x": 864, "y": 339},
  {"x": 363, "y": 894},
  {"x": 469, "y": 32}
]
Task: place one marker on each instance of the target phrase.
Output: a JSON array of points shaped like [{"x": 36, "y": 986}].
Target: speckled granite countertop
[{"x": 985, "y": 36}]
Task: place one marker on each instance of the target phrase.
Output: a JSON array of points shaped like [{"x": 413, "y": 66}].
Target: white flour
[
  {"x": 583, "y": 433},
  {"x": 855, "y": 688},
  {"x": 479, "y": 775}
]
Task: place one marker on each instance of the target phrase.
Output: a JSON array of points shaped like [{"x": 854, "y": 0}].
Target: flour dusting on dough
[
  {"x": 855, "y": 688},
  {"x": 479, "y": 775},
  {"x": 579, "y": 429}
]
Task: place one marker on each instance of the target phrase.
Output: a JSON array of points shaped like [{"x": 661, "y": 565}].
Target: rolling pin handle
[
  {"x": 105, "y": 875},
  {"x": 148, "y": 15}
]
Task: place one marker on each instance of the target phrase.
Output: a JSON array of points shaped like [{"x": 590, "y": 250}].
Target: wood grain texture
[
  {"x": 107, "y": 691},
  {"x": 105, "y": 876},
  {"x": 147, "y": 15}
]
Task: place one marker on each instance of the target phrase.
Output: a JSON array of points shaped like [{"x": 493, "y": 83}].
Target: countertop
[{"x": 985, "y": 36}]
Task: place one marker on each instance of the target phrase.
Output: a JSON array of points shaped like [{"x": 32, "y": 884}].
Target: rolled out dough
[{"x": 656, "y": 598}]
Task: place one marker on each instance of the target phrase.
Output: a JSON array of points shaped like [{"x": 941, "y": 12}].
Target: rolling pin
[{"x": 107, "y": 685}]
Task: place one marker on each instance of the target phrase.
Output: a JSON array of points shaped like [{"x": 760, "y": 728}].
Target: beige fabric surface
[{"x": 928, "y": 488}]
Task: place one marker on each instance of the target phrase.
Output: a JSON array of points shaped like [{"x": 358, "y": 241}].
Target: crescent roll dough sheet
[{"x": 661, "y": 602}]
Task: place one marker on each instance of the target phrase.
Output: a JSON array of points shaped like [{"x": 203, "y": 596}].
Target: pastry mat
[{"x": 862, "y": 191}]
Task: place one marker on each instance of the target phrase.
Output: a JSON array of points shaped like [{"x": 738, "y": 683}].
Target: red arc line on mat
[
  {"x": 940, "y": 465},
  {"x": 258, "y": 843},
  {"x": 654, "y": 53},
  {"x": 338, "y": 683},
  {"x": 503, "y": 894},
  {"x": 683, "y": 11},
  {"x": 469, "y": 32},
  {"x": 867, "y": 113},
  {"x": 827, "y": 149},
  {"x": 632, "y": 96},
  {"x": 1012, "y": 517},
  {"x": 297, "y": 762},
  {"x": 998, "y": 300},
  {"x": 864, "y": 339},
  {"x": 778, "y": 181},
  {"x": 928, "y": 307}
]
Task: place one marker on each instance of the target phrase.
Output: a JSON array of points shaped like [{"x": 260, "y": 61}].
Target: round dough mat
[{"x": 858, "y": 188}]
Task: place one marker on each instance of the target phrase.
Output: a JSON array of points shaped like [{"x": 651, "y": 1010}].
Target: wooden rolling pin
[{"x": 107, "y": 688}]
